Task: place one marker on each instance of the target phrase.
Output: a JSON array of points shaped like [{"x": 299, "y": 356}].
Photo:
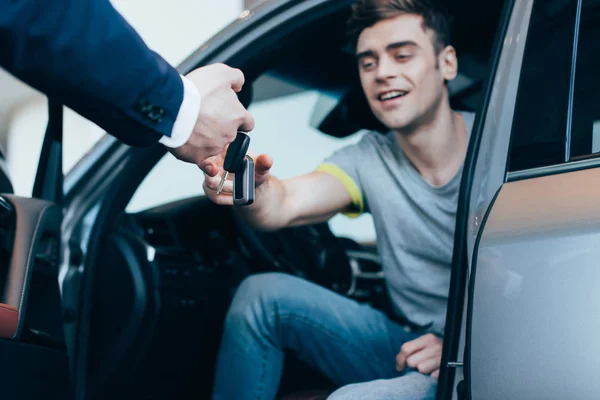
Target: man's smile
[
  {"x": 391, "y": 94},
  {"x": 390, "y": 99}
]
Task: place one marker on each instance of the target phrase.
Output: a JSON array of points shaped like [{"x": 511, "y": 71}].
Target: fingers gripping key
[{"x": 242, "y": 165}]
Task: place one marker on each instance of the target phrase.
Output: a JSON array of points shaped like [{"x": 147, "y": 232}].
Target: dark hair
[{"x": 366, "y": 13}]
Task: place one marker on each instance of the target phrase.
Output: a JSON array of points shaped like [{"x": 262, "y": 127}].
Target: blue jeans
[{"x": 347, "y": 341}]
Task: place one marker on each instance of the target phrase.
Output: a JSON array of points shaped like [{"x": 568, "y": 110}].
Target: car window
[
  {"x": 542, "y": 106},
  {"x": 25, "y": 135},
  {"x": 585, "y": 127},
  {"x": 168, "y": 181},
  {"x": 285, "y": 116}
]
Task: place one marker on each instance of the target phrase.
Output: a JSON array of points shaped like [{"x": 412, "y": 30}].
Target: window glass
[
  {"x": 540, "y": 120},
  {"x": 285, "y": 116},
  {"x": 585, "y": 128},
  {"x": 168, "y": 181}
]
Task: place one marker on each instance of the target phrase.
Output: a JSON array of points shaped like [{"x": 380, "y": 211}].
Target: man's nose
[{"x": 386, "y": 69}]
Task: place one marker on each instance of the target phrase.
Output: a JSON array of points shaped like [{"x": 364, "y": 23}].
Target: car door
[
  {"x": 34, "y": 361},
  {"x": 532, "y": 218}
]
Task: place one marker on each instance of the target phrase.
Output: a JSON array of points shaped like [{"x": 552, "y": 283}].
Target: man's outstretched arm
[{"x": 307, "y": 199}]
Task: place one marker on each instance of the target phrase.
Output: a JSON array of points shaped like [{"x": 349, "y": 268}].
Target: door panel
[
  {"x": 34, "y": 363},
  {"x": 37, "y": 224},
  {"x": 536, "y": 309}
]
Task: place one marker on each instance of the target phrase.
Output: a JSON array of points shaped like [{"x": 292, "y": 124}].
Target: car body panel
[{"x": 535, "y": 304}]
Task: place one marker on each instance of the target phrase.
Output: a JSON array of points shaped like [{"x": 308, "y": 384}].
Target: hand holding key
[
  {"x": 217, "y": 167},
  {"x": 219, "y": 116}
]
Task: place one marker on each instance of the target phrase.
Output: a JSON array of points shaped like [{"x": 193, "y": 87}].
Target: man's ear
[{"x": 448, "y": 63}]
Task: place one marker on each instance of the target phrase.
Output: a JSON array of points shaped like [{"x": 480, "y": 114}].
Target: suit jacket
[{"x": 85, "y": 55}]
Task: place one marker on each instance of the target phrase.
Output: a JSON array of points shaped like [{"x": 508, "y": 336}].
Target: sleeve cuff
[
  {"x": 186, "y": 117},
  {"x": 358, "y": 204}
]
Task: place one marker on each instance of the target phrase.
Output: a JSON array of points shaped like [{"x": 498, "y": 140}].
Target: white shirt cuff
[{"x": 186, "y": 117}]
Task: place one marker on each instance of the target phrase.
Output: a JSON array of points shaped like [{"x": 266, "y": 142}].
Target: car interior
[
  {"x": 166, "y": 275},
  {"x": 31, "y": 322}
]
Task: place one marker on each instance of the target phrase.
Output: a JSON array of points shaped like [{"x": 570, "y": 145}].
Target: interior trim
[
  {"x": 34, "y": 217},
  {"x": 9, "y": 320}
]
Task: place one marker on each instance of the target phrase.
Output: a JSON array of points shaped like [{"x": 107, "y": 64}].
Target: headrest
[{"x": 351, "y": 114}]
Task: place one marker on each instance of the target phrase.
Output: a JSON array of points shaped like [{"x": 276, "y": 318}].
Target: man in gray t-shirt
[
  {"x": 408, "y": 180},
  {"x": 414, "y": 221}
]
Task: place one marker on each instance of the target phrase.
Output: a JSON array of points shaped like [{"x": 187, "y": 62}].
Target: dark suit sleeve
[{"x": 84, "y": 54}]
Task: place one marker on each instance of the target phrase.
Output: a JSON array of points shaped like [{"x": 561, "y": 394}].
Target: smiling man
[{"x": 408, "y": 179}]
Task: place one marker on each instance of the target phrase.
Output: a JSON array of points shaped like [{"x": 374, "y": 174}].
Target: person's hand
[
  {"x": 423, "y": 354},
  {"x": 213, "y": 171},
  {"x": 221, "y": 113}
]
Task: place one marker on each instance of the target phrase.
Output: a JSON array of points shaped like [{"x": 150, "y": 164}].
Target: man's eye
[
  {"x": 367, "y": 64},
  {"x": 403, "y": 57}
]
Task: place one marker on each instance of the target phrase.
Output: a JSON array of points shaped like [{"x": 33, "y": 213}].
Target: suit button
[
  {"x": 156, "y": 115},
  {"x": 151, "y": 112},
  {"x": 143, "y": 106}
]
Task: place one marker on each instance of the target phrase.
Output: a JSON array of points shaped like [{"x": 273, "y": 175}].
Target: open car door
[
  {"x": 33, "y": 356},
  {"x": 531, "y": 216}
]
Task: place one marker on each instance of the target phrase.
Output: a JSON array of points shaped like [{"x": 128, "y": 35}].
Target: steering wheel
[{"x": 312, "y": 252}]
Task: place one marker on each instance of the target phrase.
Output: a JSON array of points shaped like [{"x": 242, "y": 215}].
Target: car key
[
  {"x": 234, "y": 158},
  {"x": 243, "y": 183}
]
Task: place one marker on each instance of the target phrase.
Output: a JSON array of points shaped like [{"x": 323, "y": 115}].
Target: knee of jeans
[
  {"x": 412, "y": 386},
  {"x": 258, "y": 299},
  {"x": 354, "y": 391}
]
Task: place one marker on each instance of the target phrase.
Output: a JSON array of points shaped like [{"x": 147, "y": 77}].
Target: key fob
[
  {"x": 243, "y": 183},
  {"x": 236, "y": 152}
]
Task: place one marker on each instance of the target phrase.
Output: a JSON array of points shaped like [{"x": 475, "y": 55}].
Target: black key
[
  {"x": 234, "y": 159},
  {"x": 243, "y": 184}
]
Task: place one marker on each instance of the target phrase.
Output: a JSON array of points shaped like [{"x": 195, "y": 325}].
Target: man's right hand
[
  {"x": 423, "y": 354},
  {"x": 213, "y": 170},
  {"x": 221, "y": 114}
]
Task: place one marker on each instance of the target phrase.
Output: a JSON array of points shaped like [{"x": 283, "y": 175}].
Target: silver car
[{"x": 116, "y": 284}]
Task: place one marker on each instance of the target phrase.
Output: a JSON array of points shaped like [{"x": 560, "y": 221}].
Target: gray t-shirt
[{"x": 414, "y": 222}]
